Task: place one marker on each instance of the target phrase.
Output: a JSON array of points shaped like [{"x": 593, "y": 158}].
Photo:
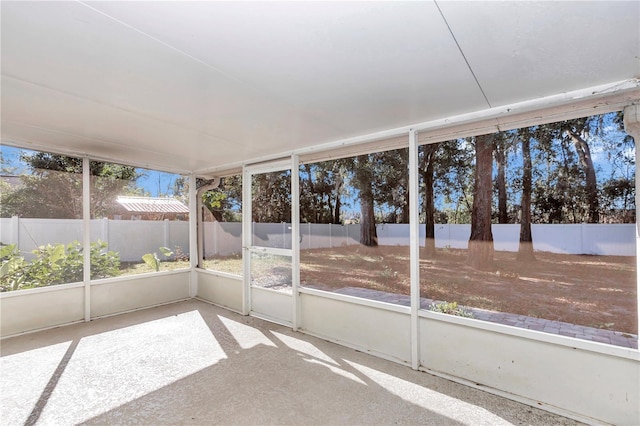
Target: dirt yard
[{"x": 594, "y": 291}]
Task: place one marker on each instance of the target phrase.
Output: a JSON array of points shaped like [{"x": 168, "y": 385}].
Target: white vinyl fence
[
  {"x": 223, "y": 239},
  {"x": 134, "y": 238},
  {"x": 130, "y": 238}
]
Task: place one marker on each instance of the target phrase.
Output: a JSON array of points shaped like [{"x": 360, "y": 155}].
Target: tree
[
  {"x": 525, "y": 248},
  {"x": 456, "y": 179},
  {"x": 558, "y": 193},
  {"x": 618, "y": 190},
  {"x": 53, "y": 187},
  {"x": 618, "y": 199},
  {"x": 339, "y": 172},
  {"x": 577, "y": 131},
  {"x": 271, "y": 194},
  {"x": 427, "y": 166},
  {"x": 503, "y": 142},
  {"x": 225, "y": 201},
  {"x": 320, "y": 192},
  {"x": 362, "y": 179},
  {"x": 391, "y": 184},
  {"x": 480, "y": 254}
]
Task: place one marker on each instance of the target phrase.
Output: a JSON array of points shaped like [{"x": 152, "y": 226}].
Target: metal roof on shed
[{"x": 152, "y": 205}]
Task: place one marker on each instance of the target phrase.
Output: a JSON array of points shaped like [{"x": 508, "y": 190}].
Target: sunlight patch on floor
[
  {"x": 21, "y": 387},
  {"x": 444, "y": 405},
  {"x": 336, "y": 370},
  {"x": 246, "y": 336},
  {"x": 304, "y": 347},
  {"x": 110, "y": 369}
]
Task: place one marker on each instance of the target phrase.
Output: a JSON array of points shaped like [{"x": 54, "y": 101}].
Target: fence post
[
  {"x": 330, "y": 239},
  {"x": 216, "y": 249},
  {"x": 105, "y": 231},
  {"x": 166, "y": 234},
  {"x": 14, "y": 236},
  {"x": 309, "y": 236}
]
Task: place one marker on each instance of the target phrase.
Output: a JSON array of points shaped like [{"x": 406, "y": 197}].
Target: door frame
[{"x": 248, "y": 171}]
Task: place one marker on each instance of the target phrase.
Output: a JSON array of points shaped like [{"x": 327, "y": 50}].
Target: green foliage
[
  {"x": 51, "y": 187},
  {"x": 54, "y": 264},
  {"x": 388, "y": 273},
  {"x": 451, "y": 308},
  {"x": 11, "y": 262},
  {"x": 153, "y": 260},
  {"x": 271, "y": 194},
  {"x": 225, "y": 201}
]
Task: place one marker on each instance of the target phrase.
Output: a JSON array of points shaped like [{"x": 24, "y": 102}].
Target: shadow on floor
[{"x": 194, "y": 363}]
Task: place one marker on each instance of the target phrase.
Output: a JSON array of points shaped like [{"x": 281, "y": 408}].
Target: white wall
[
  {"x": 588, "y": 379},
  {"x": 358, "y": 324},
  {"x": 34, "y": 309},
  {"x": 116, "y": 295},
  {"x": 220, "y": 289}
]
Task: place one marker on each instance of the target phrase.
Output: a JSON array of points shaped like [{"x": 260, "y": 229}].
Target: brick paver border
[{"x": 548, "y": 326}]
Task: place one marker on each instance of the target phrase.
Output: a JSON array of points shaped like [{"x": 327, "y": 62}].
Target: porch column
[
  {"x": 632, "y": 127},
  {"x": 414, "y": 248}
]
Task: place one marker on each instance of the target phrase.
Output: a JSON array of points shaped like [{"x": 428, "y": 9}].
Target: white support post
[
  {"x": 295, "y": 240},
  {"x": 414, "y": 242},
  {"x": 246, "y": 241},
  {"x": 194, "y": 251},
  {"x": 632, "y": 127},
  {"x": 86, "y": 236}
]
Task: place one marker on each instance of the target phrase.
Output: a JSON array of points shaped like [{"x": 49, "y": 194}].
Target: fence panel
[
  {"x": 29, "y": 234},
  {"x": 565, "y": 239},
  {"x": 132, "y": 239},
  {"x": 222, "y": 238}
]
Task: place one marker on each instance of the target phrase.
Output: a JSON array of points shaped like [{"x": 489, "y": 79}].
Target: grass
[
  {"x": 131, "y": 268},
  {"x": 579, "y": 289}
]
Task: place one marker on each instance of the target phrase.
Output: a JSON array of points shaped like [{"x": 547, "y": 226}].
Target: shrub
[
  {"x": 451, "y": 309},
  {"x": 55, "y": 264}
]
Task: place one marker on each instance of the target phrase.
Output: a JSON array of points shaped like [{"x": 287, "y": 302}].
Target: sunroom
[{"x": 450, "y": 186}]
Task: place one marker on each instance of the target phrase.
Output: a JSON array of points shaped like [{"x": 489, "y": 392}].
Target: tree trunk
[
  {"x": 337, "y": 187},
  {"x": 368, "y": 233},
  {"x": 429, "y": 208},
  {"x": 364, "y": 179},
  {"x": 501, "y": 180},
  {"x": 525, "y": 249},
  {"x": 404, "y": 183},
  {"x": 591, "y": 185},
  {"x": 404, "y": 215},
  {"x": 481, "y": 239},
  {"x": 336, "y": 213}
]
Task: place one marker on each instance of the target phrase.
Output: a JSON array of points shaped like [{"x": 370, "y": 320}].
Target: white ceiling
[{"x": 195, "y": 86}]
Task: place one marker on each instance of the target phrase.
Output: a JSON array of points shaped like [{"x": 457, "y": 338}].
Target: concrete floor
[{"x": 193, "y": 363}]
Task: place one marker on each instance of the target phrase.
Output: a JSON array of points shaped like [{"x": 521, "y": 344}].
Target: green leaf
[
  {"x": 166, "y": 251},
  {"x": 8, "y": 250},
  {"x": 152, "y": 260}
]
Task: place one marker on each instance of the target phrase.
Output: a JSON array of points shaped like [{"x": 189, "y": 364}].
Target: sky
[{"x": 153, "y": 182}]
